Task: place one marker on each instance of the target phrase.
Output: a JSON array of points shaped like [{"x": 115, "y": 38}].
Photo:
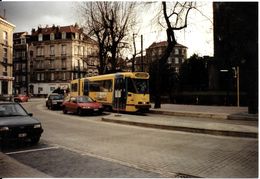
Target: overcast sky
[{"x": 26, "y": 15}]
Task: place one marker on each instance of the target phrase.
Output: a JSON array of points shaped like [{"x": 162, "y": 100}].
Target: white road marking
[{"x": 32, "y": 150}]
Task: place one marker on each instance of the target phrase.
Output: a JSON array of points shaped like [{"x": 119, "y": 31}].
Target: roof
[
  {"x": 19, "y": 34},
  {"x": 164, "y": 44},
  {"x": 54, "y": 29}
]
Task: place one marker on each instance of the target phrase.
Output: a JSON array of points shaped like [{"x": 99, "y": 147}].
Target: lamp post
[
  {"x": 226, "y": 78},
  {"x": 237, "y": 80},
  {"x": 78, "y": 77}
]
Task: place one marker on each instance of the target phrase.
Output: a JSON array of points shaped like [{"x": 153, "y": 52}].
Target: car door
[{"x": 73, "y": 104}]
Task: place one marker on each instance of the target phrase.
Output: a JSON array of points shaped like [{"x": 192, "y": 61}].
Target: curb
[
  {"x": 185, "y": 129},
  {"x": 190, "y": 114},
  {"x": 241, "y": 117}
]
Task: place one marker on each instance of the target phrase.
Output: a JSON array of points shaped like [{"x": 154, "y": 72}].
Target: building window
[
  {"x": 40, "y": 37},
  {"x": 169, "y": 60},
  {"x": 5, "y": 55},
  {"x": 81, "y": 37},
  {"x": 177, "y": 70},
  {"x": 176, "y": 60},
  {"x": 17, "y": 79},
  {"x": 63, "y": 50},
  {"x": 23, "y": 78},
  {"x": 23, "y": 67},
  {"x": 39, "y": 51},
  {"x": 52, "y": 76},
  {"x": 52, "y": 36},
  {"x": 42, "y": 76},
  {"x": 63, "y": 35},
  {"x": 38, "y": 76},
  {"x": 183, "y": 51},
  {"x": 176, "y": 51},
  {"x": 23, "y": 40},
  {"x": 52, "y": 64},
  {"x": 5, "y": 38},
  {"x": 63, "y": 63},
  {"x": 183, "y": 60},
  {"x": 76, "y": 36},
  {"x": 76, "y": 50},
  {"x": 64, "y": 76},
  {"x": 52, "y": 51},
  {"x": 23, "y": 54}
]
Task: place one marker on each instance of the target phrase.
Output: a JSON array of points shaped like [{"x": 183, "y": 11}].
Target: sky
[{"x": 26, "y": 15}]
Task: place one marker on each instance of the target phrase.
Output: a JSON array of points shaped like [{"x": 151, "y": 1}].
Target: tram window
[
  {"x": 74, "y": 87},
  {"x": 94, "y": 87},
  {"x": 130, "y": 85},
  {"x": 142, "y": 85},
  {"x": 107, "y": 86}
]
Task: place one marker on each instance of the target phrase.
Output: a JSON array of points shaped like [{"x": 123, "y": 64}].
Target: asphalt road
[{"x": 84, "y": 146}]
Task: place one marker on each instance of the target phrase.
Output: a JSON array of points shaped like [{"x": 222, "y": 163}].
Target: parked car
[
  {"x": 17, "y": 124},
  {"x": 54, "y": 100},
  {"x": 21, "y": 98},
  {"x": 82, "y": 105}
]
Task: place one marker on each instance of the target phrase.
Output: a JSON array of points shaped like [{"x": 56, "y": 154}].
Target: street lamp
[
  {"x": 236, "y": 69},
  {"x": 78, "y": 77}
]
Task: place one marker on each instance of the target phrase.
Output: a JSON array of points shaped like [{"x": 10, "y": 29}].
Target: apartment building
[
  {"x": 20, "y": 62},
  {"x": 156, "y": 50},
  {"x": 6, "y": 57},
  {"x": 59, "y": 54}
]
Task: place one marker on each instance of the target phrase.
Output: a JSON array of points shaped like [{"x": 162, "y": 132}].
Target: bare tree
[
  {"x": 110, "y": 23},
  {"x": 175, "y": 17}
]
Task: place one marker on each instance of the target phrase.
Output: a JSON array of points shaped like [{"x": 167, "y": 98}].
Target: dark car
[
  {"x": 54, "y": 101},
  {"x": 82, "y": 105},
  {"x": 21, "y": 98},
  {"x": 17, "y": 124}
]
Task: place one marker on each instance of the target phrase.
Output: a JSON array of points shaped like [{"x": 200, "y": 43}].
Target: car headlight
[
  {"x": 37, "y": 126},
  {"x": 4, "y": 128}
]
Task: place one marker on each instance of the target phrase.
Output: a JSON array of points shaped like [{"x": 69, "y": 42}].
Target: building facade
[
  {"x": 20, "y": 62},
  {"x": 156, "y": 50},
  {"x": 59, "y": 54},
  {"x": 6, "y": 57}
]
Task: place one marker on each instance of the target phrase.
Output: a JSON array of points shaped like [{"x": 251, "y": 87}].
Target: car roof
[
  {"x": 7, "y": 102},
  {"x": 54, "y": 94}
]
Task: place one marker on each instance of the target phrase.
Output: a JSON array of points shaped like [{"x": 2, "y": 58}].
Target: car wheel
[
  {"x": 64, "y": 110},
  {"x": 80, "y": 112},
  {"x": 35, "y": 140},
  {"x": 17, "y": 100}
]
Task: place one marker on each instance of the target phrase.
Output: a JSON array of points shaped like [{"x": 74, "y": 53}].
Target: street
[{"x": 84, "y": 146}]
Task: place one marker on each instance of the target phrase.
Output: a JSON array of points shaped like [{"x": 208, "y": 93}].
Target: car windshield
[
  {"x": 11, "y": 109},
  {"x": 84, "y": 99},
  {"x": 56, "y": 97}
]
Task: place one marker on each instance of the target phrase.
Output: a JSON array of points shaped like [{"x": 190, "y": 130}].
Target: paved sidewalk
[
  {"x": 217, "y": 112},
  {"x": 200, "y": 119},
  {"x": 214, "y": 120},
  {"x": 10, "y": 168}
]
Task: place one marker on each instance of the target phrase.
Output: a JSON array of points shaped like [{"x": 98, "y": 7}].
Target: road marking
[{"x": 32, "y": 150}]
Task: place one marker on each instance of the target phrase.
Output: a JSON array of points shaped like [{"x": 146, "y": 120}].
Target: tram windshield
[{"x": 140, "y": 86}]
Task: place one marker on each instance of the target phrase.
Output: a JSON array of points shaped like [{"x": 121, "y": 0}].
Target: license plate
[
  {"x": 95, "y": 109},
  {"x": 22, "y": 135}
]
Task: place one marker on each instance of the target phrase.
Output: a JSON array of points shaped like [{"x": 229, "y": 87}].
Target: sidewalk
[
  {"x": 10, "y": 168},
  {"x": 213, "y": 120}
]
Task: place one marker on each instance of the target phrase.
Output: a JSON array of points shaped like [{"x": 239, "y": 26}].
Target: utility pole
[
  {"x": 142, "y": 60},
  {"x": 78, "y": 78},
  {"x": 133, "y": 60},
  {"x": 238, "y": 90}
]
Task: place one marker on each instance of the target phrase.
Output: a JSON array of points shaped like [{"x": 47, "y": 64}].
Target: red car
[
  {"x": 21, "y": 98},
  {"x": 82, "y": 105}
]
